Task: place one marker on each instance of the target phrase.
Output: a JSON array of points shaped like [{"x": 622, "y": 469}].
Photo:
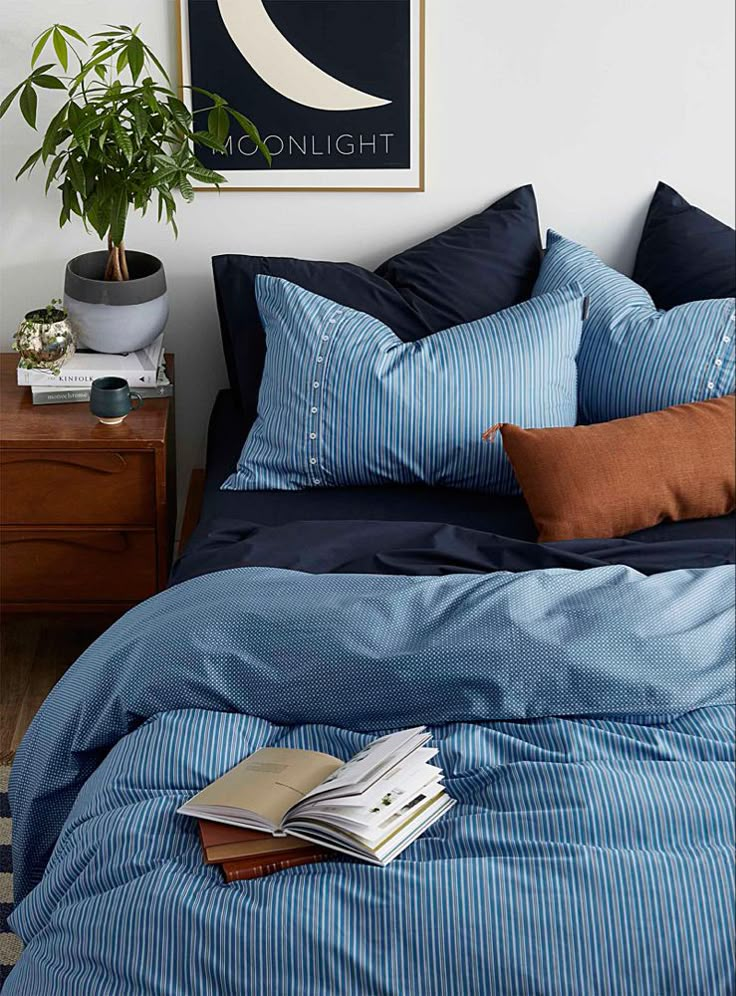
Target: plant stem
[
  {"x": 116, "y": 267},
  {"x": 123, "y": 261}
]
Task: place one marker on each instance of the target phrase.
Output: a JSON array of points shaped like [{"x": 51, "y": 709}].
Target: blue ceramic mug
[{"x": 111, "y": 399}]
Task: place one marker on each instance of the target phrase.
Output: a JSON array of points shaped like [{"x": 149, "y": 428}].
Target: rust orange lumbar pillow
[{"x": 615, "y": 477}]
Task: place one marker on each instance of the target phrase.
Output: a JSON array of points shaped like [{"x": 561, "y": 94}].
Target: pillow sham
[
  {"x": 633, "y": 358},
  {"x": 684, "y": 254},
  {"x": 485, "y": 264},
  {"x": 345, "y": 402},
  {"x": 610, "y": 479}
]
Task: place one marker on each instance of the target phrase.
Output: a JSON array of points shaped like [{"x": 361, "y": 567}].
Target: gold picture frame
[{"x": 418, "y": 98}]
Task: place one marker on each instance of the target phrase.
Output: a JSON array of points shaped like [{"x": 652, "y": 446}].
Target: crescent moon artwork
[
  {"x": 335, "y": 88},
  {"x": 284, "y": 67}
]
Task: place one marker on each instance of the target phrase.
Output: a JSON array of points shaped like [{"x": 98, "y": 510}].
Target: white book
[
  {"x": 371, "y": 807},
  {"x": 60, "y": 394},
  {"x": 138, "y": 368}
]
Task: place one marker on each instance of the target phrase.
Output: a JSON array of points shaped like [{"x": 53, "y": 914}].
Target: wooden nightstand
[{"x": 87, "y": 511}]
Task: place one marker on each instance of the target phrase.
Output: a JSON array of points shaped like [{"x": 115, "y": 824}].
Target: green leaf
[
  {"x": 204, "y": 175},
  {"x": 29, "y": 104},
  {"x": 218, "y": 124},
  {"x": 7, "y": 101},
  {"x": 180, "y": 111},
  {"x": 205, "y": 93},
  {"x": 61, "y": 48},
  {"x": 69, "y": 198},
  {"x": 186, "y": 189},
  {"x": 98, "y": 215},
  {"x": 118, "y": 216},
  {"x": 50, "y": 139},
  {"x": 49, "y": 82},
  {"x": 209, "y": 141},
  {"x": 53, "y": 170},
  {"x": 123, "y": 139},
  {"x": 251, "y": 131},
  {"x": 140, "y": 120},
  {"x": 71, "y": 32},
  {"x": 152, "y": 56},
  {"x": 40, "y": 46},
  {"x": 29, "y": 163},
  {"x": 162, "y": 178},
  {"x": 76, "y": 174},
  {"x": 150, "y": 99},
  {"x": 101, "y": 70},
  {"x": 75, "y": 115},
  {"x": 122, "y": 60},
  {"x": 136, "y": 56},
  {"x": 82, "y": 139}
]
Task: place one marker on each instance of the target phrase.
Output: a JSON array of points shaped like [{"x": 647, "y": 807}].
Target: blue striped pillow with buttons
[
  {"x": 634, "y": 358},
  {"x": 344, "y": 402}
]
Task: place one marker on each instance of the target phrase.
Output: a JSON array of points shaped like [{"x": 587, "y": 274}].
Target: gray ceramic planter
[{"x": 116, "y": 316}]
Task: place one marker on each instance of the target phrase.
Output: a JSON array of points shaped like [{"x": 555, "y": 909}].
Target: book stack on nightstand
[
  {"x": 87, "y": 511},
  {"x": 145, "y": 371}
]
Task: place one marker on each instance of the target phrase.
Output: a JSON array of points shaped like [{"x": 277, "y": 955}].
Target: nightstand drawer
[
  {"x": 76, "y": 566},
  {"x": 77, "y": 487}
]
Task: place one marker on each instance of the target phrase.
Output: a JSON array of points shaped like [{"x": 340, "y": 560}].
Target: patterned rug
[{"x": 10, "y": 945}]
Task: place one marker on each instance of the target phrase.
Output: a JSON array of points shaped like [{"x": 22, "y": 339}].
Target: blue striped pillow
[
  {"x": 343, "y": 401},
  {"x": 633, "y": 358}
]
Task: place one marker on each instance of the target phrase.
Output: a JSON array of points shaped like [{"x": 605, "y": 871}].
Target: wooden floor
[{"x": 34, "y": 653}]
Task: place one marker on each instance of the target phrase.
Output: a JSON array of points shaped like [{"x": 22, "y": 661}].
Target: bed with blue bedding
[{"x": 582, "y": 698}]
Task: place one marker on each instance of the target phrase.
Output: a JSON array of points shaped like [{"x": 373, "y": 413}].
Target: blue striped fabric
[
  {"x": 585, "y": 855},
  {"x": 633, "y": 358},
  {"x": 583, "y": 858},
  {"x": 345, "y": 402}
]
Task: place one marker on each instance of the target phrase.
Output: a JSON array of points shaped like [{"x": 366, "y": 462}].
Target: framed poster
[{"x": 335, "y": 88}]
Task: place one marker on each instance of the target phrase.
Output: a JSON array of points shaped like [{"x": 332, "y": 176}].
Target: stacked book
[
  {"x": 371, "y": 807},
  {"x": 245, "y": 854},
  {"x": 144, "y": 370}
]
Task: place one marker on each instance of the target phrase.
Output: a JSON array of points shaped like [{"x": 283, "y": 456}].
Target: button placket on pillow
[
  {"x": 316, "y": 419},
  {"x": 718, "y": 362}
]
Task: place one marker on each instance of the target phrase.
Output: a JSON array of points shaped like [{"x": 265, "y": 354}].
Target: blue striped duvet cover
[{"x": 585, "y": 724}]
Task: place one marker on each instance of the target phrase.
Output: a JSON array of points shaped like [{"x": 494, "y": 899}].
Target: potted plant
[
  {"x": 121, "y": 140},
  {"x": 44, "y": 338}
]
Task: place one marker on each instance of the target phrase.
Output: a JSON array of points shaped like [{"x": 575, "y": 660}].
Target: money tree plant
[{"x": 122, "y": 138}]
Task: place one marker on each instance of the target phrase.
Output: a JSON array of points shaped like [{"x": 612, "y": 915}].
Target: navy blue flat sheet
[{"x": 407, "y": 530}]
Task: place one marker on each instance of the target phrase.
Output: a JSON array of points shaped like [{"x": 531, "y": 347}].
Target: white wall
[{"x": 592, "y": 100}]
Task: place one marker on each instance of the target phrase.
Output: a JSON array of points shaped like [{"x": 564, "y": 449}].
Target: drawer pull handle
[
  {"x": 106, "y": 543},
  {"x": 99, "y": 463}
]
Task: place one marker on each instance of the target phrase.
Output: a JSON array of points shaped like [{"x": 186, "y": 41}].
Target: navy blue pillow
[
  {"x": 684, "y": 254},
  {"x": 483, "y": 265}
]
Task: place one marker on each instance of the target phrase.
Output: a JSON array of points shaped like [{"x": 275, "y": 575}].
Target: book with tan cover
[{"x": 371, "y": 806}]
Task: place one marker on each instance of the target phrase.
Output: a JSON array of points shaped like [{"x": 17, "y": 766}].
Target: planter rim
[
  {"x": 94, "y": 290},
  {"x": 130, "y": 254},
  {"x": 30, "y": 317}
]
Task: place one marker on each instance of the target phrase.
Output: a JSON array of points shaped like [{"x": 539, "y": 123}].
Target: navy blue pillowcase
[
  {"x": 483, "y": 265},
  {"x": 684, "y": 254}
]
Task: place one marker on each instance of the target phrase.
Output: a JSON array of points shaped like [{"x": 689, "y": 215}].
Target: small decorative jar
[{"x": 44, "y": 339}]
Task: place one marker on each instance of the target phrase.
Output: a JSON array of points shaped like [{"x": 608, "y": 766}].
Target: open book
[{"x": 371, "y": 807}]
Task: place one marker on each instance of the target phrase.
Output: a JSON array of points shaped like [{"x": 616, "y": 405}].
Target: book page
[
  {"x": 369, "y": 764},
  {"x": 268, "y": 783}
]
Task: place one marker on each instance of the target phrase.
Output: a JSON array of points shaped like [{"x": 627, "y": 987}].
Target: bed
[
  {"x": 584, "y": 719},
  {"x": 580, "y": 692}
]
